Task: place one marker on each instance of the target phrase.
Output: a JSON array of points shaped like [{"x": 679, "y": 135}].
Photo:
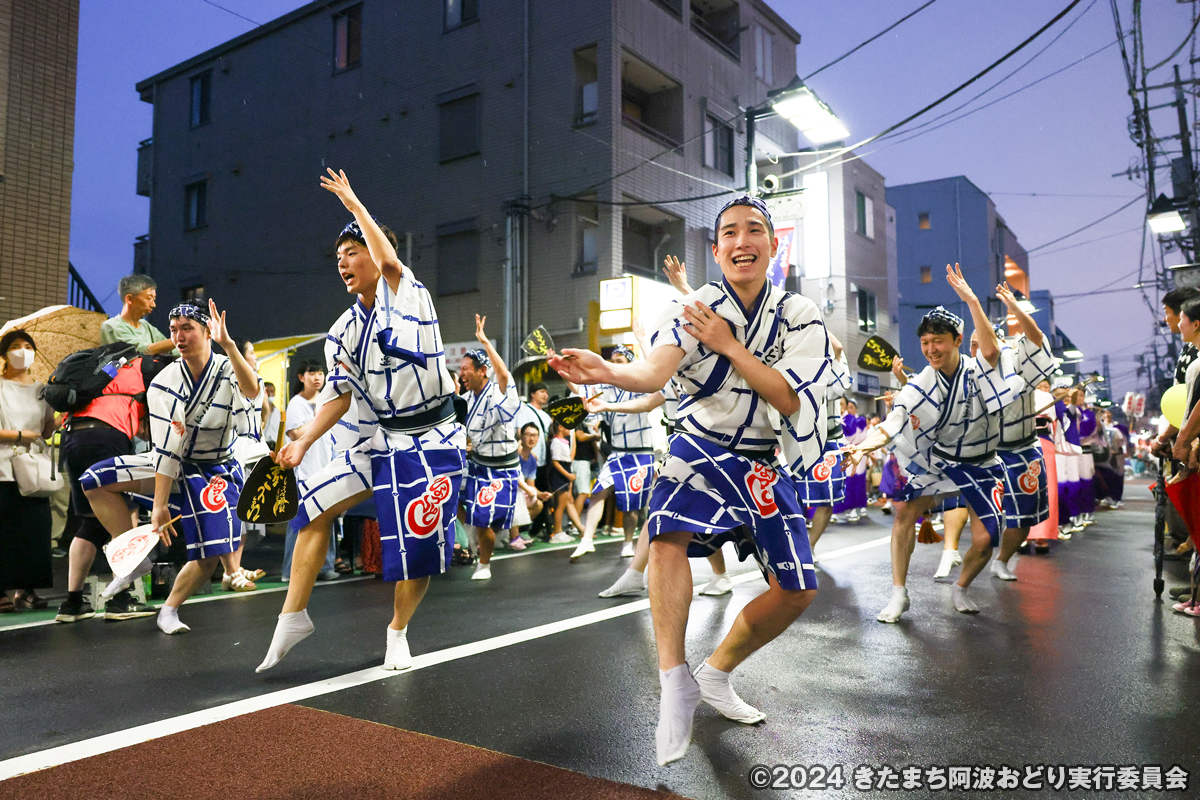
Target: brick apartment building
[{"x": 38, "y": 48}]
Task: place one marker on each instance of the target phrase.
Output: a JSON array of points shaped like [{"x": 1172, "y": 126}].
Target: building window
[
  {"x": 926, "y": 274},
  {"x": 587, "y": 89},
  {"x": 587, "y": 226},
  {"x": 866, "y": 310},
  {"x": 764, "y": 55},
  {"x": 651, "y": 103},
  {"x": 718, "y": 22},
  {"x": 195, "y": 293},
  {"x": 461, "y": 12},
  {"x": 864, "y": 210},
  {"x": 718, "y": 145},
  {"x": 673, "y": 6},
  {"x": 347, "y": 39},
  {"x": 459, "y": 117},
  {"x": 923, "y": 220},
  {"x": 458, "y": 257},
  {"x": 649, "y": 235},
  {"x": 201, "y": 89},
  {"x": 195, "y": 196}
]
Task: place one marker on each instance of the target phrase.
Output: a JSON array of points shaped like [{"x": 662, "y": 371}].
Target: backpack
[{"x": 83, "y": 376}]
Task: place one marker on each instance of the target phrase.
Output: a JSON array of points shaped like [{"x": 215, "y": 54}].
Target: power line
[
  {"x": 858, "y": 47},
  {"x": 1091, "y": 241},
  {"x": 1085, "y": 227},
  {"x": 952, "y": 92}
]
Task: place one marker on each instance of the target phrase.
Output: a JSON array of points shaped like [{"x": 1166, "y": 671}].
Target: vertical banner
[{"x": 777, "y": 272}]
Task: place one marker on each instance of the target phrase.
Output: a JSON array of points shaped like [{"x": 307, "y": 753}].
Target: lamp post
[{"x": 800, "y": 106}]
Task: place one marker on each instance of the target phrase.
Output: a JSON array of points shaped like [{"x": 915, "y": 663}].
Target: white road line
[{"x": 108, "y": 742}]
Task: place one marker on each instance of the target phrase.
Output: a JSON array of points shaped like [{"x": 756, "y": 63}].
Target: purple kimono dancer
[{"x": 856, "y": 484}]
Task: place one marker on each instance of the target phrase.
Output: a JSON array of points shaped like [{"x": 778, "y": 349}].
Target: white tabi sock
[
  {"x": 290, "y": 630},
  {"x": 718, "y": 693},
  {"x": 397, "y": 656}
]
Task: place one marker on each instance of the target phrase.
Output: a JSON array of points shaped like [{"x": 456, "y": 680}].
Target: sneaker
[
  {"x": 527, "y": 539},
  {"x": 516, "y": 544},
  {"x": 124, "y": 606},
  {"x": 328, "y": 575},
  {"x": 561, "y": 538},
  {"x": 73, "y": 612},
  {"x": 58, "y": 552}
]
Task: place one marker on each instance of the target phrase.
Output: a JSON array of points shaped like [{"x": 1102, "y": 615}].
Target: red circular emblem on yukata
[
  {"x": 1028, "y": 482},
  {"x": 824, "y": 468},
  {"x": 177, "y": 426},
  {"x": 423, "y": 515},
  {"x": 213, "y": 496},
  {"x": 998, "y": 495},
  {"x": 759, "y": 481},
  {"x": 914, "y": 421},
  {"x": 637, "y": 480},
  {"x": 487, "y": 495}
]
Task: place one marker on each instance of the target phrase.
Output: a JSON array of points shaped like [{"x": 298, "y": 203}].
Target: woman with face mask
[{"x": 25, "y": 533}]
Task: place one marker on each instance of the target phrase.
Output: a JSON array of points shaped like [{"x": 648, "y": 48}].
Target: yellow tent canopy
[{"x": 274, "y": 356}]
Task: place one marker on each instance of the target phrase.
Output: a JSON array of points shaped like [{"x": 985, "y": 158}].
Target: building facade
[
  {"x": 942, "y": 222},
  {"x": 522, "y": 150},
  {"x": 38, "y": 52}
]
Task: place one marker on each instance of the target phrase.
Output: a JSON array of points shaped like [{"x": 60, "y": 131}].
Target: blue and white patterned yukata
[
  {"x": 630, "y": 467},
  {"x": 490, "y": 492}
]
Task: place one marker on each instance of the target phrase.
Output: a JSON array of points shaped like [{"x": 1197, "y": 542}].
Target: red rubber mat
[{"x": 297, "y": 752}]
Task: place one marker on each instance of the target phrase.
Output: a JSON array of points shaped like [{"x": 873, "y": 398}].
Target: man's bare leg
[
  {"x": 820, "y": 521},
  {"x": 904, "y": 539},
  {"x": 1010, "y": 541},
  {"x": 189, "y": 579},
  {"x": 953, "y": 522},
  {"x": 109, "y": 506},
  {"x": 973, "y": 563},
  {"x": 308, "y": 556},
  {"x": 670, "y": 596},
  {"x": 408, "y": 596}
]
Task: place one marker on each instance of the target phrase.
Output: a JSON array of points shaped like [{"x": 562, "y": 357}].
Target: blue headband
[
  {"x": 624, "y": 350},
  {"x": 480, "y": 357},
  {"x": 940, "y": 314},
  {"x": 190, "y": 311},
  {"x": 355, "y": 230},
  {"x": 745, "y": 200}
]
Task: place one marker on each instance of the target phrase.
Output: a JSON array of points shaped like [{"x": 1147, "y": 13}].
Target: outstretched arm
[
  {"x": 1032, "y": 332},
  {"x": 292, "y": 453},
  {"x": 989, "y": 345},
  {"x": 638, "y": 405},
  {"x": 503, "y": 378},
  {"x": 381, "y": 250},
  {"x": 643, "y": 377}
]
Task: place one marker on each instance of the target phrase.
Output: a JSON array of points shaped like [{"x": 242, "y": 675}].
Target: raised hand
[
  {"x": 480, "y": 336},
  {"x": 1005, "y": 293},
  {"x": 216, "y": 326},
  {"x": 339, "y": 184},
  {"x": 709, "y": 328},
  {"x": 898, "y": 367},
  {"x": 958, "y": 283},
  {"x": 676, "y": 274}
]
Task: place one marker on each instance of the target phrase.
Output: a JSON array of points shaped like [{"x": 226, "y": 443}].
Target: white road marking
[{"x": 108, "y": 742}]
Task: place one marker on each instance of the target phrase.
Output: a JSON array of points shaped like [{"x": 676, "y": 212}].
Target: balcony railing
[
  {"x": 646, "y": 130},
  {"x": 78, "y": 293}
]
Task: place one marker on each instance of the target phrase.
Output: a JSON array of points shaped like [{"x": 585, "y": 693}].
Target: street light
[
  {"x": 1164, "y": 217},
  {"x": 800, "y": 106}
]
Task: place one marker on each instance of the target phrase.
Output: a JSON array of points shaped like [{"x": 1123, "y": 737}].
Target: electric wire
[
  {"x": 860, "y": 46},
  {"x": 1085, "y": 227}
]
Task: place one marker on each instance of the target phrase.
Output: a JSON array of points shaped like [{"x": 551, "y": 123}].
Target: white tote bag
[{"x": 34, "y": 469}]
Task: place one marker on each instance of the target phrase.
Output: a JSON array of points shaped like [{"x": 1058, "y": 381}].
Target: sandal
[
  {"x": 237, "y": 582},
  {"x": 29, "y": 601},
  {"x": 6, "y": 604},
  {"x": 252, "y": 574},
  {"x": 342, "y": 568}
]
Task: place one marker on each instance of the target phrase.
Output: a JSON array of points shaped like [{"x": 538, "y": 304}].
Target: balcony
[{"x": 718, "y": 23}]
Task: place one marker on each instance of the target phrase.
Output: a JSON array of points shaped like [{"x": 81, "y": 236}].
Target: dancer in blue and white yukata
[
  {"x": 385, "y": 352},
  {"x": 739, "y": 347},
  {"x": 629, "y": 471},
  {"x": 1026, "y": 492},
  {"x": 199, "y": 406},
  {"x": 824, "y": 486},
  {"x": 945, "y": 423},
  {"x": 490, "y": 491}
]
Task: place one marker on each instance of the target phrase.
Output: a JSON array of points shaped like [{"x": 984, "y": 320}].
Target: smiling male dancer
[{"x": 738, "y": 347}]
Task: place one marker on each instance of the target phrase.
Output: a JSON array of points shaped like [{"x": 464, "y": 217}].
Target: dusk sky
[{"x": 1046, "y": 155}]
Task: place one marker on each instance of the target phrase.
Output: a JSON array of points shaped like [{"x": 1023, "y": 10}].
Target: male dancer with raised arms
[{"x": 386, "y": 350}]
